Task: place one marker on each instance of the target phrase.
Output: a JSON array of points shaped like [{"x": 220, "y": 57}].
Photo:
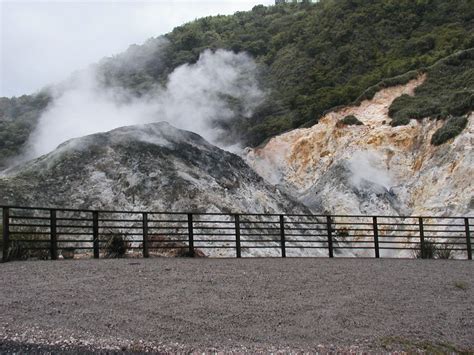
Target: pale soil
[{"x": 180, "y": 304}]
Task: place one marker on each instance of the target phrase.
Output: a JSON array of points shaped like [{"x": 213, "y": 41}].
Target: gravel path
[{"x": 171, "y": 304}]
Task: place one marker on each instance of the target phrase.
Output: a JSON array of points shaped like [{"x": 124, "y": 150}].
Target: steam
[
  {"x": 369, "y": 167},
  {"x": 195, "y": 98}
]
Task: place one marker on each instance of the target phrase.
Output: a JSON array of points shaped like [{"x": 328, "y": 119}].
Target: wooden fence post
[
  {"x": 422, "y": 238},
  {"x": 468, "y": 239},
  {"x": 282, "y": 236},
  {"x": 329, "y": 229},
  {"x": 191, "y": 234},
  {"x": 146, "y": 254},
  {"x": 237, "y": 236},
  {"x": 376, "y": 237},
  {"x": 6, "y": 233},
  {"x": 54, "y": 237},
  {"x": 95, "y": 232}
]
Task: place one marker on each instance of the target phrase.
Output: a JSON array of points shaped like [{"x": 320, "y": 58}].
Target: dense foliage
[
  {"x": 350, "y": 120},
  {"x": 451, "y": 128},
  {"x": 312, "y": 57},
  {"x": 447, "y": 91},
  {"x": 317, "y": 56},
  {"x": 18, "y": 116}
]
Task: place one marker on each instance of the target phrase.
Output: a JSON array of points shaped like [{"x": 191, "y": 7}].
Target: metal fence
[{"x": 48, "y": 233}]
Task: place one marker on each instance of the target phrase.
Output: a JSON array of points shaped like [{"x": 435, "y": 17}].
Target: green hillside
[{"x": 312, "y": 57}]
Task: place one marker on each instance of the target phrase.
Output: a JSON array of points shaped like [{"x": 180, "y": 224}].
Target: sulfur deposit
[{"x": 372, "y": 168}]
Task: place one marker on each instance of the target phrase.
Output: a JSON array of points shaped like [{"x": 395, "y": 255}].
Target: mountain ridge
[{"x": 311, "y": 58}]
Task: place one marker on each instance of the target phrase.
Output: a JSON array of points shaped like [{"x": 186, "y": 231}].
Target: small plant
[
  {"x": 17, "y": 251},
  {"x": 427, "y": 250},
  {"x": 444, "y": 252},
  {"x": 116, "y": 246},
  {"x": 451, "y": 128},
  {"x": 461, "y": 285},
  {"x": 350, "y": 120}
]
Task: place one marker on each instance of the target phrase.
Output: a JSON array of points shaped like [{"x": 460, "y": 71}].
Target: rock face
[
  {"x": 372, "y": 168},
  {"x": 147, "y": 167}
]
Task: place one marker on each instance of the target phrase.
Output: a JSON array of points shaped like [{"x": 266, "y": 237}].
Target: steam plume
[{"x": 195, "y": 98}]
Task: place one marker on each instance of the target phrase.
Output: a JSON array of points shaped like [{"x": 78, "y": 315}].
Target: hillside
[
  {"x": 355, "y": 162},
  {"x": 310, "y": 58},
  {"x": 154, "y": 166}
]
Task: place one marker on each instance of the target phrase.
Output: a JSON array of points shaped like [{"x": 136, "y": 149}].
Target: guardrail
[{"x": 49, "y": 232}]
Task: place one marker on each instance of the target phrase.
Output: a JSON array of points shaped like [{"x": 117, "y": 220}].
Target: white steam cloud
[
  {"x": 195, "y": 97},
  {"x": 369, "y": 167}
]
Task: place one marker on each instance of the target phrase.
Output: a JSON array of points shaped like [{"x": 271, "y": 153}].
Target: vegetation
[
  {"x": 427, "y": 250},
  {"x": 461, "y": 285},
  {"x": 432, "y": 250},
  {"x": 312, "y": 57},
  {"x": 18, "y": 117},
  {"x": 116, "y": 246},
  {"x": 451, "y": 128},
  {"x": 447, "y": 91},
  {"x": 317, "y": 56},
  {"x": 350, "y": 120}
]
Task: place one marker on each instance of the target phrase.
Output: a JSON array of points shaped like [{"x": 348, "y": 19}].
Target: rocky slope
[
  {"x": 372, "y": 168},
  {"x": 149, "y": 167}
]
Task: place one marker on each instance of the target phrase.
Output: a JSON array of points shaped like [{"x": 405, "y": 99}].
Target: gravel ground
[{"x": 287, "y": 305}]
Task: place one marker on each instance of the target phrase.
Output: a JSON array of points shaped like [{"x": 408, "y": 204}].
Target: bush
[
  {"x": 17, "y": 251},
  {"x": 444, "y": 252},
  {"x": 431, "y": 250},
  {"x": 427, "y": 250},
  {"x": 403, "y": 121},
  {"x": 350, "y": 120},
  {"x": 451, "y": 128},
  {"x": 116, "y": 246}
]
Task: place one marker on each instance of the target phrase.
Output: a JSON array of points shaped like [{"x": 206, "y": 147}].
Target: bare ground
[{"x": 176, "y": 304}]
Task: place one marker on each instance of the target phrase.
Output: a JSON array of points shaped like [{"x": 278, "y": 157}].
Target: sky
[{"x": 43, "y": 42}]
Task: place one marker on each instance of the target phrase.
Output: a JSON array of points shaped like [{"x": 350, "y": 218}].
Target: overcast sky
[{"x": 42, "y": 42}]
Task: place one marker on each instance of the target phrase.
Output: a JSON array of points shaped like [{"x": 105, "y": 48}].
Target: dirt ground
[{"x": 287, "y": 305}]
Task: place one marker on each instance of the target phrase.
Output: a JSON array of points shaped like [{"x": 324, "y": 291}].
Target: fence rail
[{"x": 51, "y": 232}]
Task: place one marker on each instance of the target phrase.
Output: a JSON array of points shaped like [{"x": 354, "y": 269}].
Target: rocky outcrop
[
  {"x": 147, "y": 167},
  {"x": 372, "y": 168}
]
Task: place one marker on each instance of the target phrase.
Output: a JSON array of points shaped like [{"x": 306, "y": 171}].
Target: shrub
[
  {"x": 350, "y": 120},
  {"x": 116, "y": 246},
  {"x": 403, "y": 121},
  {"x": 451, "y": 128},
  {"x": 444, "y": 252},
  {"x": 427, "y": 250},
  {"x": 17, "y": 251}
]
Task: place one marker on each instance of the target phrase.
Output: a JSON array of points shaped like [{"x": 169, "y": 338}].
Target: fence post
[
  {"x": 237, "y": 236},
  {"x": 422, "y": 238},
  {"x": 191, "y": 234},
  {"x": 6, "y": 233},
  {"x": 376, "y": 237},
  {"x": 329, "y": 229},
  {"x": 95, "y": 232},
  {"x": 468, "y": 239},
  {"x": 282, "y": 236},
  {"x": 54, "y": 237},
  {"x": 146, "y": 254}
]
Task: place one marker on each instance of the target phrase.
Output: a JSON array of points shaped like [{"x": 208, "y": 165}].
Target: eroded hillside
[{"x": 373, "y": 168}]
